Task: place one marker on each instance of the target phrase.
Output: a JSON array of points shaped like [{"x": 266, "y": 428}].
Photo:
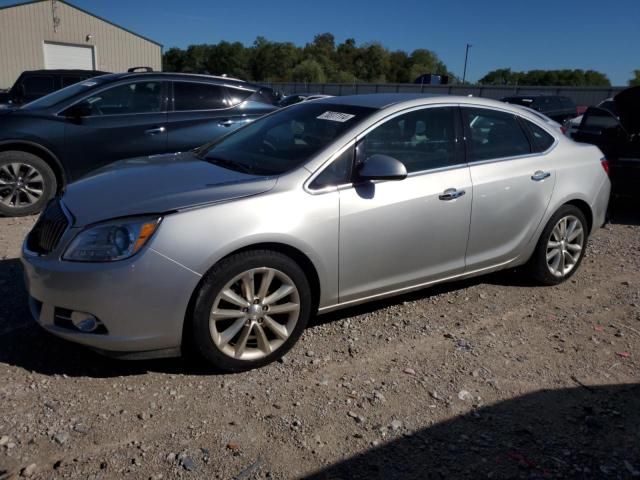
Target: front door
[
  {"x": 125, "y": 121},
  {"x": 399, "y": 234}
]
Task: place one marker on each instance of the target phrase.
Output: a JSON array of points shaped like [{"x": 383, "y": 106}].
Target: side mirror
[
  {"x": 382, "y": 167},
  {"x": 79, "y": 110}
]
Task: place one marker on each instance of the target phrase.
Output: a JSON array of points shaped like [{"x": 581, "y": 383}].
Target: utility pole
[{"x": 466, "y": 57}]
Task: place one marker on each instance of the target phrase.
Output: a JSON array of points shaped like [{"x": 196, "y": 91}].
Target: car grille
[{"x": 48, "y": 229}]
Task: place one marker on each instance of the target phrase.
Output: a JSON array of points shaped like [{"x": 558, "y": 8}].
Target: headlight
[{"x": 111, "y": 241}]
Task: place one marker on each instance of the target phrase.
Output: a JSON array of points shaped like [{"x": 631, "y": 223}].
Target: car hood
[
  {"x": 155, "y": 185},
  {"x": 628, "y": 108}
]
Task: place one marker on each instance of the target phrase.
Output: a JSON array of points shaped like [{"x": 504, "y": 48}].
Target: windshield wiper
[{"x": 229, "y": 164}]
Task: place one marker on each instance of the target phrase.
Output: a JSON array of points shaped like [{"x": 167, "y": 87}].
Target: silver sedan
[{"x": 231, "y": 248}]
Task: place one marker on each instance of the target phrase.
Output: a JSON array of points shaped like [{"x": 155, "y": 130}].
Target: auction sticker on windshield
[{"x": 336, "y": 116}]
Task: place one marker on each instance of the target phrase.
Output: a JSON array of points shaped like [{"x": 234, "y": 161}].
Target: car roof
[
  {"x": 181, "y": 76},
  {"x": 384, "y": 100},
  {"x": 63, "y": 71}
]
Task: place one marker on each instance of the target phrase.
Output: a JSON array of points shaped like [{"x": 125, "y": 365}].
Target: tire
[
  {"x": 239, "y": 342},
  {"x": 27, "y": 183},
  {"x": 541, "y": 268}
]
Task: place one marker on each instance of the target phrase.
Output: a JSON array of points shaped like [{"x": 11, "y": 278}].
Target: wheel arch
[
  {"x": 294, "y": 253},
  {"x": 44, "y": 153},
  {"x": 584, "y": 208}
]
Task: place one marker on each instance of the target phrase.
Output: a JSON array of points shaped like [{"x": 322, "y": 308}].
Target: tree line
[
  {"x": 559, "y": 78},
  {"x": 322, "y": 60}
]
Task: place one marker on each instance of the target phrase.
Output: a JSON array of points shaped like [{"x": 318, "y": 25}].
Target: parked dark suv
[
  {"x": 555, "y": 107},
  {"x": 616, "y": 131},
  {"x": 58, "y": 138},
  {"x": 34, "y": 84}
]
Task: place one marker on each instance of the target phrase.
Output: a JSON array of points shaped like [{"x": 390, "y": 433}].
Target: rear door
[
  {"x": 202, "y": 112},
  {"x": 126, "y": 120},
  {"x": 513, "y": 180}
]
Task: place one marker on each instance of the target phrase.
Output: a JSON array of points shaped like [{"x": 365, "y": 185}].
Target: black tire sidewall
[
  {"x": 539, "y": 265},
  {"x": 217, "y": 278},
  {"x": 48, "y": 176}
]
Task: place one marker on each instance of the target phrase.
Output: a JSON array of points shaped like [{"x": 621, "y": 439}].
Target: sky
[{"x": 544, "y": 34}]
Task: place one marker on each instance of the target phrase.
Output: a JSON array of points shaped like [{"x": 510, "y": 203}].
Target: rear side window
[
  {"x": 567, "y": 102},
  {"x": 597, "y": 120},
  {"x": 38, "y": 85},
  {"x": 266, "y": 95},
  {"x": 237, "y": 95},
  {"x": 422, "y": 139},
  {"x": 493, "y": 134},
  {"x": 542, "y": 140},
  {"x": 198, "y": 96}
]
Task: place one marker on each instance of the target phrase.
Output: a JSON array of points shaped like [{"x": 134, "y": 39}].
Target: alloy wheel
[
  {"x": 254, "y": 313},
  {"x": 21, "y": 185},
  {"x": 565, "y": 246}
]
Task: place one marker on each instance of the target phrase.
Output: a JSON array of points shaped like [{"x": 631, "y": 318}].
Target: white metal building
[{"x": 55, "y": 34}]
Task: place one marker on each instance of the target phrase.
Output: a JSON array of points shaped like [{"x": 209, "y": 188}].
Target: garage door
[{"x": 68, "y": 57}]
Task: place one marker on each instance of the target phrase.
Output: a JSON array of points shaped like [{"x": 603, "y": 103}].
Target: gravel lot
[{"x": 488, "y": 378}]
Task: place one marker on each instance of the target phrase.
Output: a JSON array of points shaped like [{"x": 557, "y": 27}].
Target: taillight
[{"x": 605, "y": 164}]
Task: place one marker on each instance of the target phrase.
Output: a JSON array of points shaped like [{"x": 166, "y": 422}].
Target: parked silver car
[{"x": 318, "y": 206}]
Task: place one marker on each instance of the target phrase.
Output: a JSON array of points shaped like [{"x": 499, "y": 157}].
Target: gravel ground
[{"x": 488, "y": 378}]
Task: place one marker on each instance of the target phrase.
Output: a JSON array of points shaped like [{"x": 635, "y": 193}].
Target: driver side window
[
  {"x": 422, "y": 140},
  {"x": 140, "y": 97}
]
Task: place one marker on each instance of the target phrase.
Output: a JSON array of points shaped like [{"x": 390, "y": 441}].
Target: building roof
[{"x": 86, "y": 12}]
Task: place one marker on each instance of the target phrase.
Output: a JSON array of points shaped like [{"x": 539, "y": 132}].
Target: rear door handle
[
  {"x": 451, "y": 194},
  {"x": 226, "y": 123},
  {"x": 155, "y": 131},
  {"x": 540, "y": 175}
]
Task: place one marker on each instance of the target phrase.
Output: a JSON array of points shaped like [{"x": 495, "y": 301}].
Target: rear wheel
[
  {"x": 251, "y": 309},
  {"x": 27, "y": 183},
  {"x": 561, "y": 247}
]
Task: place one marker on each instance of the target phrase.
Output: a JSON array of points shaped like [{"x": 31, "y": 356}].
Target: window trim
[
  {"x": 355, "y": 141},
  {"x": 513, "y": 157},
  {"x": 163, "y": 99},
  {"x": 224, "y": 86}
]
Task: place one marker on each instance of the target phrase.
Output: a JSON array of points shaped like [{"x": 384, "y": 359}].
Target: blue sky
[{"x": 544, "y": 34}]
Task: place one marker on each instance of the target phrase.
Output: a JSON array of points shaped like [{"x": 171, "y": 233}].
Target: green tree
[
  {"x": 173, "y": 60},
  {"x": 308, "y": 71},
  {"x": 635, "y": 81}
]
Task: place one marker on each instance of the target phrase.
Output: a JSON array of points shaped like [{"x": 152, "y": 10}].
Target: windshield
[
  {"x": 284, "y": 140},
  {"x": 63, "y": 94}
]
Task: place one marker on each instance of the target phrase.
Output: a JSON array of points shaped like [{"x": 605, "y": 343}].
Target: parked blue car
[{"x": 52, "y": 141}]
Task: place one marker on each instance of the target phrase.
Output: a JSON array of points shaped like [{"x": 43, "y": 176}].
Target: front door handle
[
  {"x": 540, "y": 175},
  {"x": 155, "y": 131},
  {"x": 451, "y": 194},
  {"x": 226, "y": 123}
]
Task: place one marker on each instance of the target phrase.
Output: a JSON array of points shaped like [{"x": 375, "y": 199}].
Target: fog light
[{"x": 84, "y": 322}]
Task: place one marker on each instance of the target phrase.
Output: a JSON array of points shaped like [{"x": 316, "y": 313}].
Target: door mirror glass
[{"x": 382, "y": 167}]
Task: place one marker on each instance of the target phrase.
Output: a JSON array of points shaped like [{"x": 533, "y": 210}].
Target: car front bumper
[{"x": 141, "y": 302}]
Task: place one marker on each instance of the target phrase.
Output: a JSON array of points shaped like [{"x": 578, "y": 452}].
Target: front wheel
[
  {"x": 251, "y": 309},
  {"x": 561, "y": 247},
  {"x": 26, "y": 183}
]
